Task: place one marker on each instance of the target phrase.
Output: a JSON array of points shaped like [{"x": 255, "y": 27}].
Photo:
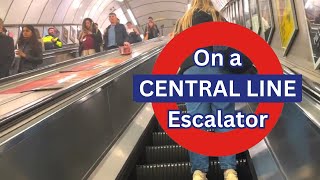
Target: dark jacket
[
  {"x": 134, "y": 38},
  {"x": 202, "y": 17},
  {"x": 152, "y": 32},
  {"x": 98, "y": 40},
  {"x": 6, "y": 54},
  {"x": 33, "y": 58},
  {"x": 121, "y": 35}
]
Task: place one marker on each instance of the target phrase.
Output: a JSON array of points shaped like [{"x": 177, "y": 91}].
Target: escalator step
[
  {"x": 174, "y": 154},
  {"x": 174, "y": 171},
  {"x": 181, "y": 171},
  {"x": 162, "y": 139},
  {"x": 166, "y": 154}
]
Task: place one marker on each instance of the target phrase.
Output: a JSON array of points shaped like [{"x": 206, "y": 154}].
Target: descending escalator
[{"x": 162, "y": 159}]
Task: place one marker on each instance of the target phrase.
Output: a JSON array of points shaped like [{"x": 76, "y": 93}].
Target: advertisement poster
[
  {"x": 312, "y": 9},
  {"x": 254, "y": 9},
  {"x": 287, "y": 23},
  {"x": 73, "y": 34},
  {"x": 79, "y": 29},
  {"x": 241, "y": 13},
  {"x": 247, "y": 17},
  {"x": 267, "y": 22},
  {"x": 65, "y": 35},
  {"x": 237, "y": 12}
]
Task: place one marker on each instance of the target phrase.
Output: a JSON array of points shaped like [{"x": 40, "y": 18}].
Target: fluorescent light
[
  {"x": 76, "y": 4},
  {"x": 189, "y": 6},
  {"x": 134, "y": 21}
]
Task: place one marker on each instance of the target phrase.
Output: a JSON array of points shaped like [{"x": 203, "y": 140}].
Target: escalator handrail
[
  {"x": 14, "y": 115},
  {"x": 53, "y": 66},
  {"x": 309, "y": 87},
  {"x": 59, "y": 50},
  {"x": 313, "y": 88},
  {"x": 50, "y": 67}
]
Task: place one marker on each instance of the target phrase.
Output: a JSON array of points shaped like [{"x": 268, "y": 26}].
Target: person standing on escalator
[
  {"x": 88, "y": 38},
  {"x": 6, "y": 52},
  {"x": 133, "y": 32},
  {"x": 29, "y": 50},
  {"x": 202, "y": 11},
  {"x": 151, "y": 30},
  {"x": 98, "y": 38},
  {"x": 51, "y": 41},
  {"x": 116, "y": 34}
]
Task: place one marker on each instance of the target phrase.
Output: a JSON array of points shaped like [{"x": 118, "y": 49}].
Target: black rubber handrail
[
  {"x": 14, "y": 115},
  {"x": 309, "y": 86},
  {"x": 60, "y": 50},
  {"x": 61, "y": 64}
]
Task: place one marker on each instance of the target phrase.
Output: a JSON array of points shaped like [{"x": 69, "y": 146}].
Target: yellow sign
[{"x": 286, "y": 21}]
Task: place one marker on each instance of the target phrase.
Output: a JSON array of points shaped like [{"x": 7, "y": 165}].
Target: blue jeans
[{"x": 198, "y": 161}]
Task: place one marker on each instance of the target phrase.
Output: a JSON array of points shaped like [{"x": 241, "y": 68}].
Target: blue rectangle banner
[{"x": 217, "y": 88}]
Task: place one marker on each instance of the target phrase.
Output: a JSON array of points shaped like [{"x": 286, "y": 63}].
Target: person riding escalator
[
  {"x": 51, "y": 41},
  {"x": 29, "y": 51}
]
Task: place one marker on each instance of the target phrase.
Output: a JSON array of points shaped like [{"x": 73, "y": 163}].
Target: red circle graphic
[{"x": 220, "y": 34}]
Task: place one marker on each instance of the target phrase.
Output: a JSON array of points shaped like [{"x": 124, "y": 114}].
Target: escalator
[
  {"x": 160, "y": 158},
  {"x": 163, "y": 159},
  {"x": 64, "y": 133}
]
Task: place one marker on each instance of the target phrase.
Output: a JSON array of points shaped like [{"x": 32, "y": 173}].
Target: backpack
[{"x": 246, "y": 62}]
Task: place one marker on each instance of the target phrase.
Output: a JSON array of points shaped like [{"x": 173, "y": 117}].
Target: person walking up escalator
[{"x": 202, "y": 11}]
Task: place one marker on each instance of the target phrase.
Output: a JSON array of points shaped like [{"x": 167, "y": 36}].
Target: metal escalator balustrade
[{"x": 68, "y": 136}]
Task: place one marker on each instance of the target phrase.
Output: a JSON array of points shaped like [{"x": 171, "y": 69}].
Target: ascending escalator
[{"x": 163, "y": 159}]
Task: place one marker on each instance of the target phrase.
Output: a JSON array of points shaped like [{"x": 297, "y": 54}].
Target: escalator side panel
[
  {"x": 291, "y": 150},
  {"x": 69, "y": 143},
  {"x": 120, "y": 93}
]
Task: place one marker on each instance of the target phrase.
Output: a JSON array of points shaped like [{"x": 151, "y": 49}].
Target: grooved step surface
[
  {"x": 166, "y": 154},
  {"x": 165, "y": 160},
  {"x": 162, "y": 139},
  {"x": 174, "y": 171}
]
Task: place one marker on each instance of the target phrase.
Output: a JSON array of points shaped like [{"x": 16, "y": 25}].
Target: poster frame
[
  {"x": 73, "y": 33},
  {"x": 237, "y": 12},
  {"x": 273, "y": 24},
  {"x": 244, "y": 14},
  {"x": 64, "y": 35},
  {"x": 316, "y": 63},
  {"x": 296, "y": 27},
  {"x": 242, "y": 18},
  {"x": 259, "y": 16}
]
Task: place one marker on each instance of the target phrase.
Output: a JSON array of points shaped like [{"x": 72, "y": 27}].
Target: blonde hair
[{"x": 197, "y": 5}]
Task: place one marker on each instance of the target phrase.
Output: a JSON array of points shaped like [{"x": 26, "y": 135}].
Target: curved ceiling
[{"x": 46, "y": 12}]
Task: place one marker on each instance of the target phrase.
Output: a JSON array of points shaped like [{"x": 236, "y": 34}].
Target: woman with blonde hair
[{"x": 202, "y": 11}]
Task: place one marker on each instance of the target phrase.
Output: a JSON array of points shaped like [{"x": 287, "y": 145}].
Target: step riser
[
  {"x": 173, "y": 153},
  {"x": 162, "y": 139},
  {"x": 166, "y": 154},
  {"x": 178, "y": 171}
]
